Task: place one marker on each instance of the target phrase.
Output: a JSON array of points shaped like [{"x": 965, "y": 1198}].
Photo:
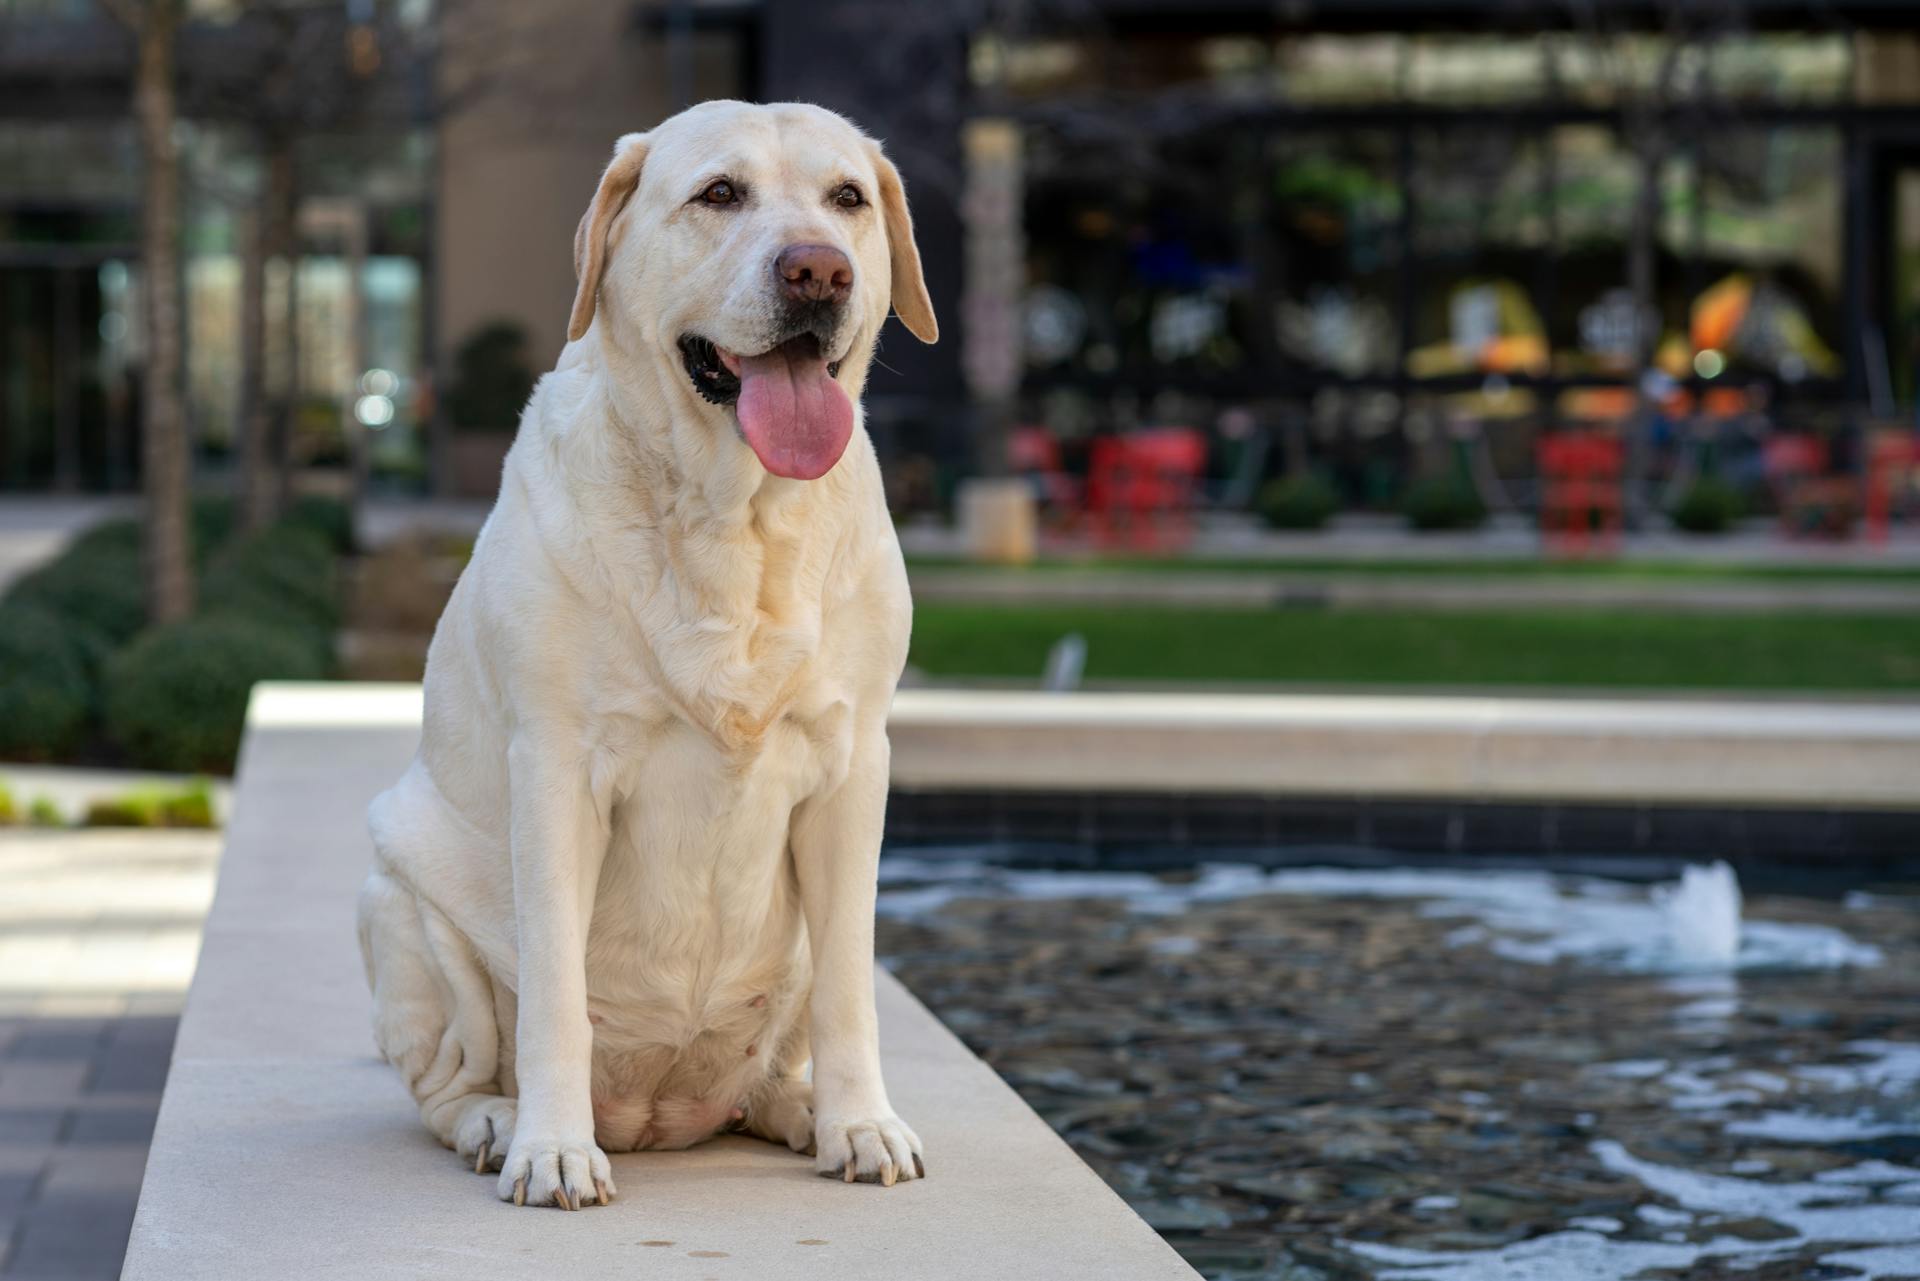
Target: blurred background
[
  {"x": 1620, "y": 289},
  {"x": 1557, "y": 348}
]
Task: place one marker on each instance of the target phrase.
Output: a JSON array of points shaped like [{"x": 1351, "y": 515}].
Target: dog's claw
[
  {"x": 604, "y": 1191},
  {"x": 480, "y": 1157},
  {"x": 887, "y": 1174},
  {"x": 520, "y": 1190},
  {"x": 852, "y": 1171},
  {"x": 919, "y": 1167},
  {"x": 568, "y": 1198}
]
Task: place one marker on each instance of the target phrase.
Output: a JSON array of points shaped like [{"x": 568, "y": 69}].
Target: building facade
[{"x": 1358, "y": 227}]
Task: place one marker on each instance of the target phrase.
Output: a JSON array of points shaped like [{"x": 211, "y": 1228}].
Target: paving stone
[
  {"x": 40, "y": 1083},
  {"x": 54, "y": 1039},
  {"x": 79, "y": 1236},
  {"x": 135, "y": 1060},
  {"x": 29, "y": 1127},
  {"x": 118, "y": 1124}
]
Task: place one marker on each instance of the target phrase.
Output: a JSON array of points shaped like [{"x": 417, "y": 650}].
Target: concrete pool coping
[
  {"x": 284, "y": 1148},
  {"x": 1765, "y": 754}
]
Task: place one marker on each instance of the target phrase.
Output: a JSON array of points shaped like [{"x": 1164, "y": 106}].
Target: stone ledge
[
  {"x": 285, "y": 1149},
  {"x": 1761, "y": 754}
]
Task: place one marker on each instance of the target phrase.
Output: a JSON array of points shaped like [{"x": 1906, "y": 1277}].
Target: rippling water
[{"x": 1462, "y": 1076}]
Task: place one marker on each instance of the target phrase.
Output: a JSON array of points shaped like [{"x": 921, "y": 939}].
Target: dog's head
[{"x": 760, "y": 249}]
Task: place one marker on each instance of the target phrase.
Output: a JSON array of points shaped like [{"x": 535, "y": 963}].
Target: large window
[{"x": 1334, "y": 255}]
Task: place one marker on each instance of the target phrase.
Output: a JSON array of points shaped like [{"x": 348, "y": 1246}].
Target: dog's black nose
[{"x": 814, "y": 273}]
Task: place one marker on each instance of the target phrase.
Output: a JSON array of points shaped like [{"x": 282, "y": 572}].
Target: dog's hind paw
[
  {"x": 485, "y": 1133},
  {"x": 557, "y": 1173},
  {"x": 782, "y": 1113},
  {"x": 877, "y": 1150}
]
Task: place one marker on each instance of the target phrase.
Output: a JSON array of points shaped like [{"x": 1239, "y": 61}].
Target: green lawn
[
  {"x": 1466, "y": 567},
  {"x": 1480, "y": 647}
]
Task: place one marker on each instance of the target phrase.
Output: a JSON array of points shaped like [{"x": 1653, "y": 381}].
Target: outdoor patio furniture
[
  {"x": 1893, "y": 460},
  {"x": 1034, "y": 452},
  {"x": 1141, "y": 487},
  {"x": 1581, "y": 496},
  {"x": 1813, "y": 502}
]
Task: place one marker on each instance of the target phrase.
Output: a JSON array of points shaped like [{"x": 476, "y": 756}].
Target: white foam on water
[
  {"x": 1881, "y": 1240},
  {"x": 1879, "y": 1261},
  {"x": 1703, "y": 916},
  {"x": 1801, "y": 1126},
  {"x": 1869, "y": 1172},
  {"x": 1891, "y": 1067},
  {"x": 1559, "y": 1256},
  {"x": 1532, "y": 917}
]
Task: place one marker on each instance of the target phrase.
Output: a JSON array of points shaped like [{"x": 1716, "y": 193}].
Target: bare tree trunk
[
  {"x": 169, "y": 564},
  {"x": 283, "y": 244},
  {"x": 253, "y": 459}
]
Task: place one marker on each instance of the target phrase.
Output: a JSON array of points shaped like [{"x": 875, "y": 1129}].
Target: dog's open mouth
[
  {"x": 716, "y": 375},
  {"x": 792, "y": 413}
]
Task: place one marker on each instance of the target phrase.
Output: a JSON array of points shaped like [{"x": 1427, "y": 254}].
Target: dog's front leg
[
  {"x": 559, "y": 835},
  {"x": 836, "y": 853}
]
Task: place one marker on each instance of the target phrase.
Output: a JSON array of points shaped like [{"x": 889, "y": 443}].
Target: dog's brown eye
[
  {"x": 719, "y": 193},
  {"x": 848, "y": 197}
]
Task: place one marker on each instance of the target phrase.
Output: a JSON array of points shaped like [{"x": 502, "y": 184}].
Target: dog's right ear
[{"x": 590, "y": 241}]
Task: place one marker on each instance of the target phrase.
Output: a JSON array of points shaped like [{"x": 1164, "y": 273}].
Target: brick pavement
[{"x": 98, "y": 935}]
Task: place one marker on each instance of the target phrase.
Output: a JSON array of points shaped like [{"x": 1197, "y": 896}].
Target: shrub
[
  {"x": 46, "y": 690},
  {"x": 330, "y": 518},
  {"x": 1443, "y": 502},
  {"x": 189, "y": 806},
  {"x": 210, "y": 521},
  {"x": 491, "y": 379},
  {"x": 284, "y": 577},
  {"x": 1709, "y": 506},
  {"x": 175, "y": 699},
  {"x": 42, "y": 812},
  {"x": 123, "y": 535},
  {"x": 8, "y": 814},
  {"x": 1305, "y": 500},
  {"x": 96, "y": 586}
]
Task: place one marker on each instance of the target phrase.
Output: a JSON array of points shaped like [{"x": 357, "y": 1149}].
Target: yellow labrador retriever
[{"x": 625, "y": 891}]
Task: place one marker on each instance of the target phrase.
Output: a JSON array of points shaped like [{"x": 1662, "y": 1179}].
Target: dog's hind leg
[
  {"x": 433, "y": 1019},
  {"x": 780, "y": 1110}
]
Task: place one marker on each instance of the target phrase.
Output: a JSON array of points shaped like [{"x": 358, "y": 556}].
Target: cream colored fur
[{"x": 624, "y": 894}]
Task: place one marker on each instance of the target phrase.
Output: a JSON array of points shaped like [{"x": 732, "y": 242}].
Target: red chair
[
  {"x": 1795, "y": 463},
  {"x": 1141, "y": 486},
  {"x": 1581, "y": 496},
  {"x": 1034, "y": 453},
  {"x": 1892, "y": 456}
]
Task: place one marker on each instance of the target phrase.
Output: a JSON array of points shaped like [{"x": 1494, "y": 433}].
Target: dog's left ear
[
  {"x": 910, "y": 301},
  {"x": 590, "y": 241}
]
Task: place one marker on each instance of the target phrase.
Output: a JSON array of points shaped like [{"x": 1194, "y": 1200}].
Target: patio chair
[
  {"x": 1581, "y": 495},
  {"x": 1141, "y": 487}
]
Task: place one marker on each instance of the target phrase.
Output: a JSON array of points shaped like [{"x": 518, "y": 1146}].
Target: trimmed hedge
[
  {"x": 290, "y": 571},
  {"x": 176, "y": 698},
  {"x": 46, "y": 691},
  {"x": 328, "y": 517},
  {"x": 1709, "y": 506},
  {"x": 1304, "y": 500},
  {"x": 1443, "y": 502},
  {"x": 97, "y": 586}
]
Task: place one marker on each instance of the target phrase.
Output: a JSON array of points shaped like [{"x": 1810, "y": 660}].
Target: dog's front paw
[
  {"x": 556, "y": 1172},
  {"x": 879, "y": 1149}
]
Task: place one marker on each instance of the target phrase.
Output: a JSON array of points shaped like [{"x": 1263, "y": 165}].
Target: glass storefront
[{"x": 1317, "y": 225}]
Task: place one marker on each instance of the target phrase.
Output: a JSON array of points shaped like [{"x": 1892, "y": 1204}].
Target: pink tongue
[{"x": 794, "y": 415}]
